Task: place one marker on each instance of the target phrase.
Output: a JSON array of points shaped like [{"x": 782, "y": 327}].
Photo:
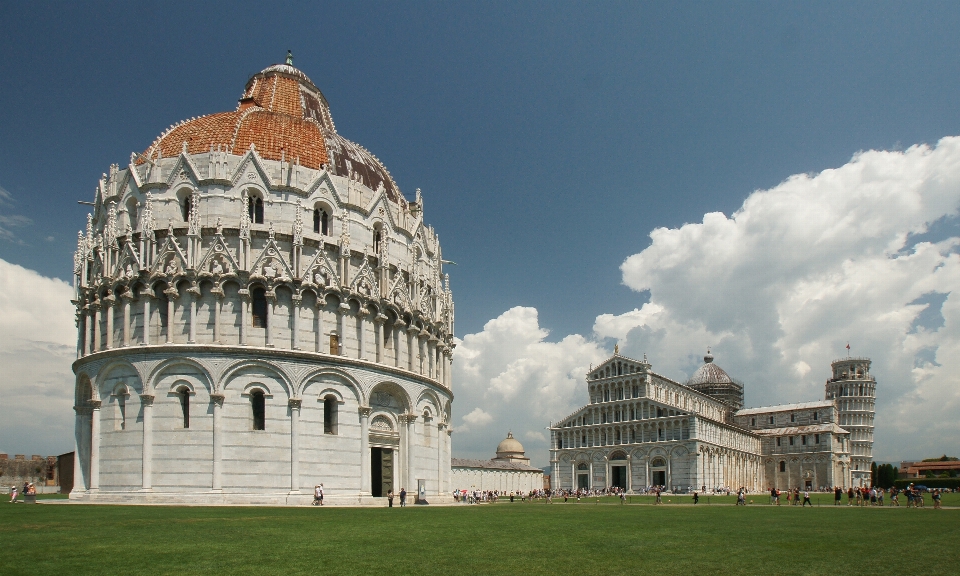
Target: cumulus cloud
[
  {"x": 510, "y": 377},
  {"x": 780, "y": 287},
  {"x": 37, "y": 347}
]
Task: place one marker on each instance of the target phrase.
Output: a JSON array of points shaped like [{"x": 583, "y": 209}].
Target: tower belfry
[{"x": 854, "y": 390}]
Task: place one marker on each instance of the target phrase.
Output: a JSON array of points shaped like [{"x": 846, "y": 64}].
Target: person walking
[
  {"x": 696, "y": 498},
  {"x": 806, "y": 499},
  {"x": 403, "y": 497},
  {"x": 390, "y": 499},
  {"x": 13, "y": 494},
  {"x": 837, "y": 495},
  {"x": 317, "y": 495},
  {"x": 850, "y": 496}
]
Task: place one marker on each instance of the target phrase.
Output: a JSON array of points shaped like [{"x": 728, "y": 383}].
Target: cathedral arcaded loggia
[{"x": 260, "y": 310}]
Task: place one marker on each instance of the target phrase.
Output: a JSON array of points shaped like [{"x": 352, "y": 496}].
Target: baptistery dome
[{"x": 260, "y": 309}]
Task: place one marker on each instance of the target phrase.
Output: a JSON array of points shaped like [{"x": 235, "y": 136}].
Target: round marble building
[{"x": 260, "y": 309}]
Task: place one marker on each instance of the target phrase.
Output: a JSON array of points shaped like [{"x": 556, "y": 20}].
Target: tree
[{"x": 873, "y": 474}]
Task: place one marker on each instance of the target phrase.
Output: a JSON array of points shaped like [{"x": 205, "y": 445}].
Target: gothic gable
[
  {"x": 219, "y": 259},
  {"x": 320, "y": 271},
  {"x": 171, "y": 259},
  {"x": 271, "y": 264}
]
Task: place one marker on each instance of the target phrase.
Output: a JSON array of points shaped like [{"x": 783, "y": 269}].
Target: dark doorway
[
  {"x": 381, "y": 471},
  {"x": 619, "y": 477},
  {"x": 659, "y": 478},
  {"x": 583, "y": 481}
]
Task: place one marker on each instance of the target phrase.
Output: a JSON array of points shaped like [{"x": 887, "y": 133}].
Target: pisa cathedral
[
  {"x": 260, "y": 309},
  {"x": 642, "y": 429}
]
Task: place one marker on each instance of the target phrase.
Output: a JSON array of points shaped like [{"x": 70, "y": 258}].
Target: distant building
[
  {"x": 920, "y": 469},
  {"x": 509, "y": 471},
  {"x": 642, "y": 429}
]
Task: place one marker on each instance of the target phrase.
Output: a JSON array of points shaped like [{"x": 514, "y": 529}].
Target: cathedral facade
[
  {"x": 642, "y": 430},
  {"x": 260, "y": 310}
]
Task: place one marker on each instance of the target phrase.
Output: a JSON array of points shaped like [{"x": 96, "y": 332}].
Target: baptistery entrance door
[
  {"x": 381, "y": 471},
  {"x": 385, "y": 464}
]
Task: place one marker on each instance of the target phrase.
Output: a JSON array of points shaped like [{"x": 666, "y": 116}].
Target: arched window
[
  {"x": 258, "y": 406},
  {"x": 321, "y": 221},
  {"x": 259, "y": 307},
  {"x": 376, "y": 241},
  {"x": 255, "y": 209},
  {"x": 185, "y": 208},
  {"x": 783, "y": 466},
  {"x": 184, "y": 393},
  {"x": 334, "y": 344},
  {"x": 329, "y": 415}
]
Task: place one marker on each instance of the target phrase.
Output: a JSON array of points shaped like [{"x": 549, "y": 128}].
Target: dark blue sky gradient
[{"x": 548, "y": 138}]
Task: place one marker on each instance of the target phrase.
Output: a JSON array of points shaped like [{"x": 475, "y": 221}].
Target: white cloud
[
  {"x": 477, "y": 419},
  {"x": 514, "y": 376},
  {"x": 37, "y": 347},
  {"x": 780, "y": 287}
]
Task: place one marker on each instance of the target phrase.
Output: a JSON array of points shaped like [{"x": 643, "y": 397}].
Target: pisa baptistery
[{"x": 260, "y": 310}]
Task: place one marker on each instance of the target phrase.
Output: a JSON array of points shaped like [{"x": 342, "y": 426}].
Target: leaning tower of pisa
[{"x": 854, "y": 391}]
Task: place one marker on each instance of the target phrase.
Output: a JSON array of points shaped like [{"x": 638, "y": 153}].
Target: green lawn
[{"x": 529, "y": 538}]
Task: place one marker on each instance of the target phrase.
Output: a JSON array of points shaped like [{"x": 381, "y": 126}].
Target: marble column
[
  {"x": 411, "y": 461},
  {"x": 629, "y": 473},
  {"x": 217, "y": 398},
  {"x": 365, "y": 449},
  {"x": 244, "y": 314},
  {"x": 411, "y": 330},
  {"x": 342, "y": 311},
  {"x": 432, "y": 354},
  {"x": 172, "y": 295},
  {"x": 296, "y": 300},
  {"x": 397, "y": 332},
  {"x": 271, "y": 302},
  {"x": 146, "y": 295},
  {"x": 421, "y": 354},
  {"x": 95, "y": 445},
  {"x": 79, "y": 438},
  {"x": 88, "y": 320},
  {"x": 441, "y": 468},
  {"x": 108, "y": 303},
  {"x": 147, "y": 401},
  {"x": 95, "y": 306},
  {"x": 294, "y": 404},
  {"x": 194, "y": 294},
  {"x": 361, "y": 334},
  {"x": 127, "y": 299},
  {"x": 218, "y": 296},
  {"x": 319, "y": 328},
  {"x": 379, "y": 321}
]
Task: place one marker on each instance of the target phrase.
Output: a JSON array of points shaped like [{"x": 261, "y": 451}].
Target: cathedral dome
[
  {"x": 713, "y": 380},
  {"x": 283, "y": 116},
  {"x": 709, "y": 373},
  {"x": 510, "y": 447}
]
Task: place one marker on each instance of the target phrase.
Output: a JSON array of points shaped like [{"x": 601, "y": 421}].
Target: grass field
[{"x": 530, "y": 538}]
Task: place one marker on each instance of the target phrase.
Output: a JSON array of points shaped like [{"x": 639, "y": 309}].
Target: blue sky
[{"x": 549, "y": 139}]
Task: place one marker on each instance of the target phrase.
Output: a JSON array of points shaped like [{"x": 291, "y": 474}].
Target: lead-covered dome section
[
  {"x": 714, "y": 381},
  {"x": 284, "y": 116},
  {"x": 709, "y": 373}
]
